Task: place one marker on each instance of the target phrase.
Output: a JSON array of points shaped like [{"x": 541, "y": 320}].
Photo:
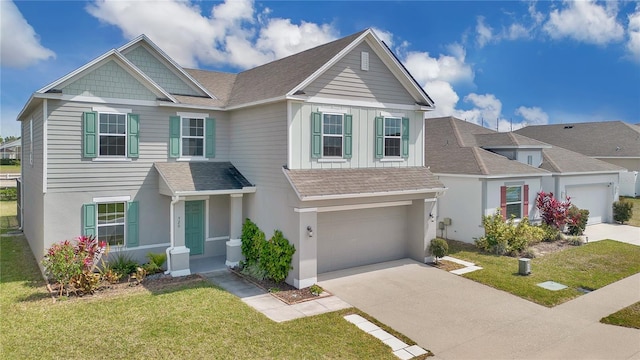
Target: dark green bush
[
  {"x": 577, "y": 220},
  {"x": 439, "y": 248},
  {"x": 123, "y": 264},
  {"x": 8, "y": 194},
  {"x": 253, "y": 240},
  {"x": 276, "y": 257},
  {"x": 622, "y": 211},
  {"x": 9, "y": 162}
]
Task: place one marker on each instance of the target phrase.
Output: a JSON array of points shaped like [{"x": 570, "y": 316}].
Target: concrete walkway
[
  {"x": 457, "y": 318},
  {"x": 623, "y": 233}
]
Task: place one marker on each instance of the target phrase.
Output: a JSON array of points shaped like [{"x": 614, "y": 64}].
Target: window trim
[
  {"x": 341, "y": 136},
  {"x": 189, "y": 116},
  {"x": 124, "y": 221},
  {"x": 385, "y": 137},
  {"x": 521, "y": 201},
  {"x": 125, "y": 135}
]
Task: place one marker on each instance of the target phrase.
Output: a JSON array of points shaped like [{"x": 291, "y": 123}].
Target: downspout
[{"x": 174, "y": 200}]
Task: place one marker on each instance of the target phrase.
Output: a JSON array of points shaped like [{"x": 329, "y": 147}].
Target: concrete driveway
[
  {"x": 457, "y": 318},
  {"x": 623, "y": 233}
]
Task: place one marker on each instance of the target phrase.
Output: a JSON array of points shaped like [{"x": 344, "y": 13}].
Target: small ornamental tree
[
  {"x": 553, "y": 211},
  {"x": 439, "y": 248}
]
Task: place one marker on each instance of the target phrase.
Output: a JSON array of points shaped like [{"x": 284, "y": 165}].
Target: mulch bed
[
  {"x": 447, "y": 265},
  {"x": 282, "y": 291},
  {"x": 545, "y": 248}
]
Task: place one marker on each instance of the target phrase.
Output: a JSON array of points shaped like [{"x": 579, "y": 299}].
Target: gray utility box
[{"x": 524, "y": 266}]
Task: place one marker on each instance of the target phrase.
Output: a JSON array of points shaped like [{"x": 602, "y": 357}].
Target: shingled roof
[
  {"x": 596, "y": 139},
  {"x": 559, "y": 160},
  {"x": 190, "y": 177},
  {"x": 318, "y": 184}
]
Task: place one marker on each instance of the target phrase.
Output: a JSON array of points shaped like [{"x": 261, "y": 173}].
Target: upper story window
[
  {"x": 112, "y": 135},
  {"x": 192, "y": 136},
  {"x": 331, "y": 136},
  {"x": 392, "y": 137}
]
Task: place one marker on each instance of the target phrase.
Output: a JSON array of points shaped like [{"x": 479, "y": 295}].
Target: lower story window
[
  {"x": 111, "y": 223},
  {"x": 514, "y": 202}
]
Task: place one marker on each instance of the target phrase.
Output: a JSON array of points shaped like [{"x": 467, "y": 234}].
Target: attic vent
[
  {"x": 568, "y": 126},
  {"x": 364, "y": 61}
]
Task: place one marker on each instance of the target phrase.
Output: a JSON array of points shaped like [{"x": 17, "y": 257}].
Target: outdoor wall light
[{"x": 309, "y": 231}]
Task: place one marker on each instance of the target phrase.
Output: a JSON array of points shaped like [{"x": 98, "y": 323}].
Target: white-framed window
[
  {"x": 112, "y": 135},
  {"x": 111, "y": 222},
  {"x": 392, "y": 136},
  {"x": 332, "y": 132},
  {"x": 529, "y": 159},
  {"x": 514, "y": 202},
  {"x": 192, "y": 137}
]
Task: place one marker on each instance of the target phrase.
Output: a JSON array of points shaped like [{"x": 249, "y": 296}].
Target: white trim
[
  {"x": 196, "y": 198},
  {"x": 237, "y": 195},
  {"x": 141, "y": 247},
  {"x": 234, "y": 242},
  {"x": 189, "y": 106},
  {"x": 305, "y": 210},
  {"x": 505, "y": 176},
  {"x": 231, "y": 263},
  {"x": 289, "y": 134},
  {"x": 332, "y": 160},
  {"x": 244, "y": 190},
  {"x": 190, "y": 159},
  {"x": 362, "y": 195},
  {"x": 96, "y": 99},
  {"x": 603, "y": 172},
  {"x": 364, "y": 206},
  {"x": 392, "y": 115},
  {"x": 45, "y": 146},
  {"x": 192, "y": 115},
  {"x": 217, "y": 238},
  {"x": 361, "y": 103},
  {"x": 435, "y": 199},
  {"x": 106, "y": 158},
  {"x": 106, "y": 109},
  {"x": 390, "y": 159},
  {"x": 112, "y": 199},
  {"x": 256, "y": 103},
  {"x": 300, "y": 284},
  {"x": 332, "y": 110}
]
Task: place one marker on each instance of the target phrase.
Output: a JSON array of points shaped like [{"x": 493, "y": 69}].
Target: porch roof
[
  {"x": 325, "y": 184},
  {"x": 201, "y": 178}
]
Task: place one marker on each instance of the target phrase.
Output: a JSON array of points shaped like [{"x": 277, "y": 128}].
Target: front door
[{"x": 194, "y": 226}]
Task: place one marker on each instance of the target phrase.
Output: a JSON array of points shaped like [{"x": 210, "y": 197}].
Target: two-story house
[{"x": 326, "y": 145}]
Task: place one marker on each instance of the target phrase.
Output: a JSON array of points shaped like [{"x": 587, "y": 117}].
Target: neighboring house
[
  {"x": 615, "y": 142},
  {"x": 10, "y": 149},
  {"x": 326, "y": 145},
  {"x": 484, "y": 170}
]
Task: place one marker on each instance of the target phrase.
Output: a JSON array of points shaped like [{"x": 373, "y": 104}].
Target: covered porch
[{"x": 205, "y": 214}]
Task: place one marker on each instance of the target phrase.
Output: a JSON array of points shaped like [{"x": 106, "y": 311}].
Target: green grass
[
  {"x": 197, "y": 321},
  {"x": 635, "y": 218},
  {"x": 590, "y": 266},
  {"x": 9, "y": 169},
  {"x": 8, "y": 219},
  {"x": 627, "y": 317}
]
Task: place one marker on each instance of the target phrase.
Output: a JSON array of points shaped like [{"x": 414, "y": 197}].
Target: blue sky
[{"x": 499, "y": 62}]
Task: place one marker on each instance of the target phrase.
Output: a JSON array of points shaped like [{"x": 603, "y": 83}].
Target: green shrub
[
  {"x": 503, "y": 237},
  {"x": 123, "y": 264},
  {"x": 439, "y": 248},
  {"x": 622, "y": 211},
  {"x": 577, "y": 220},
  {"x": 316, "y": 290},
  {"x": 9, "y": 162},
  {"x": 549, "y": 232},
  {"x": 253, "y": 240},
  {"x": 155, "y": 262},
  {"x": 276, "y": 257},
  {"x": 254, "y": 271},
  {"x": 8, "y": 194}
]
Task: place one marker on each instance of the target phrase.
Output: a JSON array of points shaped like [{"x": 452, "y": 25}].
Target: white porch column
[
  {"x": 178, "y": 252},
  {"x": 234, "y": 250},
  {"x": 305, "y": 271}
]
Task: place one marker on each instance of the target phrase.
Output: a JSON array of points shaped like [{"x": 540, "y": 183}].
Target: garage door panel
[
  {"x": 594, "y": 198},
  {"x": 360, "y": 237}
]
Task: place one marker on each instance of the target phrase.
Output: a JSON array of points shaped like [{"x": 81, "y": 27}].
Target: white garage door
[
  {"x": 360, "y": 237},
  {"x": 594, "y": 198}
]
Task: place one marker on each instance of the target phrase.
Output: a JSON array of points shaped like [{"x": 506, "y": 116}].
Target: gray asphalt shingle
[{"x": 201, "y": 176}]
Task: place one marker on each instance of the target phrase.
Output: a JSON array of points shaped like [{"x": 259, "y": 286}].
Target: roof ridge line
[
  {"x": 456, "y": 131},
  {"x": 553, "y": 163},
  {"x": 481, "y": 164}
]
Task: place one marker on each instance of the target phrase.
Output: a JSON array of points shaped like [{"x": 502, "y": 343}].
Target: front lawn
[
  {"x": 627, "y": 317},
  {"x": 9, "y": 169},
  {"x": 590, "y": 266},
  {"x": 8, "y": 219},
  {"x": 196, "y": 321}
]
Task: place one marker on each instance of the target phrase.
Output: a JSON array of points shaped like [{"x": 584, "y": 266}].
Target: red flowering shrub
[
  {"x": 552, "y": 211},
  {"x": 73, "y": 263}
]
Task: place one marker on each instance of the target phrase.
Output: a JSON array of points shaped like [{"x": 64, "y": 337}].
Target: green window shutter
[
  {"x": 89, "y": 227},
  {"x": 132, "y": 224},
  {"x": 90, "y": 135},
  {"x": 346, "y": 151},
  {"x": 405, "y": 137},
  {"x": 174, "y": 136},
  {"x": 210, "y": 138},
  {"x": 379, "y": 153},
  {"x": 316, "y": 135},
  {"x": 133, "y": 131}
]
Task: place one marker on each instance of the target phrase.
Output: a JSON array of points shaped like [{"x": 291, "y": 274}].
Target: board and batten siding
[
  {"x": 345, "y": 79},
  {"x": 33, "y": 197},
  {"x": 68, "y": 171},
  {"x": 363, "y": 138}
]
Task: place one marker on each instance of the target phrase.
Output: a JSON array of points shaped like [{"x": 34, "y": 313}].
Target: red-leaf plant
[{"x": 552, "y": 211}]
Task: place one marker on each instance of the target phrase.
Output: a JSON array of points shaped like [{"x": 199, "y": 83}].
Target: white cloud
[
  {"x": 485, "y": 32},
  {"x": 533, "y": 115},
  {"x": 585, "y": 21},
  {"x": 20, "y": 45},
  {"x": 444, "y": 96},
  {"x": 384, "y": 35},
  {"x": 633, "y": 44},
  {"x": 449, "y": 68},
  {"x": 233, "y": 34}
]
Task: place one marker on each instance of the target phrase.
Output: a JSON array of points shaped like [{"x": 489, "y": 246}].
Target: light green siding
[
  {"x": 109, "y": 81},
  {"x": 346, "y": 80},
  {"x": 157, "y": 71},
  {"x": 363, "y": 138}
]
